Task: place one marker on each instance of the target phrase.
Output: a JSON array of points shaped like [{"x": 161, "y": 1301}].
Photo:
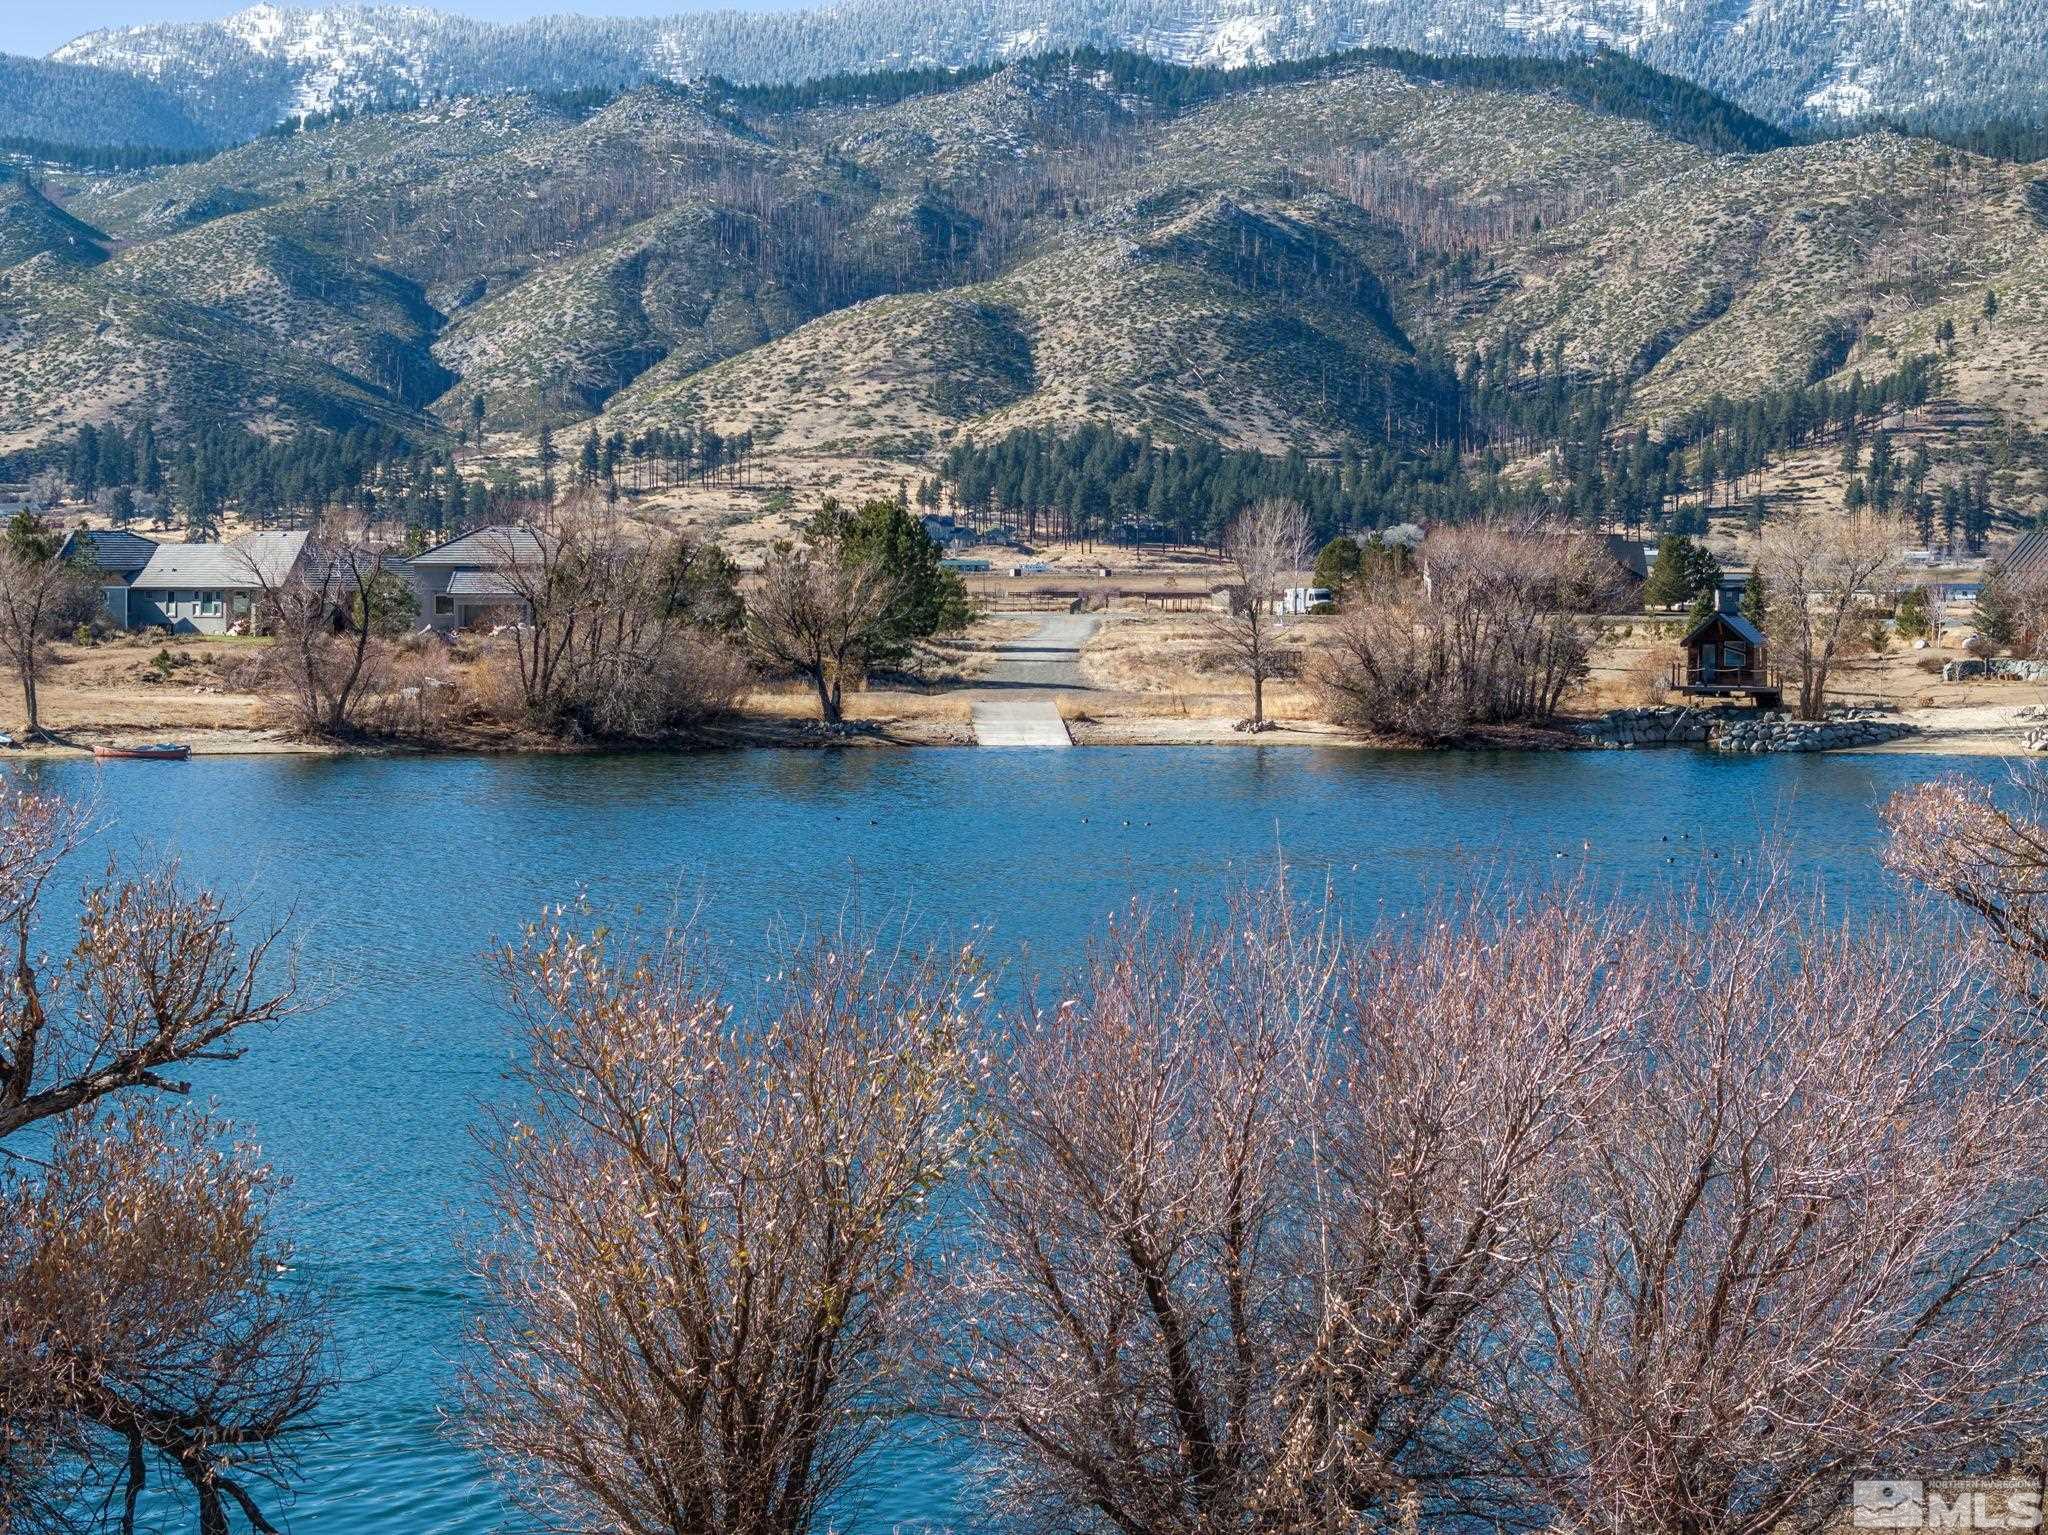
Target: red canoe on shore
[{"x": 163, "y": 751}]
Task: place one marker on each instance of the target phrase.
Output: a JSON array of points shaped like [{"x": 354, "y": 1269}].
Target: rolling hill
[{"x": 1304, "y": 258}]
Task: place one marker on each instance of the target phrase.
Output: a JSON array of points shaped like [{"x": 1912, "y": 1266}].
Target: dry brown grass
[
  {"x": 1167, "y": 665},
  {"x": 879, "y": 706},
  {"x": 104, "y": 686}
]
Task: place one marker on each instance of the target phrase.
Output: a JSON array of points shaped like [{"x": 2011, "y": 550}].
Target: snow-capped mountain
[{"x": 1791, "y": 60}]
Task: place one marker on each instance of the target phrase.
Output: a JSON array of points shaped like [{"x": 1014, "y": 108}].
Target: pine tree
[
  {"x": 1911, "y": 616},
  {"x": 548, "y": 459},
  {"x": 1756, "y": 599},
  {"x": 1684, "y": 570},
  {"x": 1997, "y": 615}
]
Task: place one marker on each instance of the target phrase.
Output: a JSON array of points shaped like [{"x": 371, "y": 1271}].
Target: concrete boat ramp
[
  {"x": 1019, "y": 701},
  {"x": 1019, "y": 722}
]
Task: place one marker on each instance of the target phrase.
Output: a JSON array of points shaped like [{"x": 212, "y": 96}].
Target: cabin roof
[
  {"x": 1744, "y": 629},
  {"x": 1630, "y": 554}
]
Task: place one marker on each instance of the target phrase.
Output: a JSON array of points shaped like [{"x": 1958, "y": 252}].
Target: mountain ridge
[
  {"x": 1341, "y": 258},
  {"x": 1796, "y": 62}
]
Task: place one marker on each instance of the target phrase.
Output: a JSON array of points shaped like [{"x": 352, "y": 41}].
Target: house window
[
  {"x": 209, "y": 604},
  {"x": 444, "y": 605},
  {"x": 1735, "y": 657}
]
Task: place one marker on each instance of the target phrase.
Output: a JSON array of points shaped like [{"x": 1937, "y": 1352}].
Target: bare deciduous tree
[
  {"x": 1821, "y": 573},
  {"x": 624, "y": 631},
  {"x": 1266, "y": 546},
  {"x": 331, "y": 613},
  {"x": 1493, "y": 632},
  {"x": 1956, "y": 839},
  {"x": 41, "y": 597},
  {"x": 709, "y": 1230},
  {"x": 1807, "y": 1239},
  {"x": 139, "y": 1325},
  {"x": 1549, "y": 1214},
  {"x": 1258, "y": 1197},
  {"x": 819, "y": 609}
]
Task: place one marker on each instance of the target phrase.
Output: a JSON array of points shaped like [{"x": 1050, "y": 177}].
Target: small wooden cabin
[{"x": 1727, "y": 656}]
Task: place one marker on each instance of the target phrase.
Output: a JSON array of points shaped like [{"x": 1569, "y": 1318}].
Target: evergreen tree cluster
[
  {"x": 1603, "y": 81},
  {"x": 1097, "y": 483},
  {"x": 97, "y": 157},
  {"x": 1517, "y": 404},
  {"x": 222, "y": 468},
  {"x": 659, "y": 458},
  {"x": 50, "y": 111}
]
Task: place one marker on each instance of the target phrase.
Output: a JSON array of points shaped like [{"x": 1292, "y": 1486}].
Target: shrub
[{"x": 1485, "y": 638}]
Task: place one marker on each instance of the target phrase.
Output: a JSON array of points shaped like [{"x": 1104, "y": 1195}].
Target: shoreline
[{"x": 1958, "y": 737}]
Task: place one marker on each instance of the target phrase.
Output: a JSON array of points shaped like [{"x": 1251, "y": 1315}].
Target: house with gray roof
[
  {"x": 475, "y": 579},
  {"x": 186, "y": 588}
]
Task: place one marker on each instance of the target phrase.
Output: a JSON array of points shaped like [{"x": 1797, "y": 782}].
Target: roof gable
[
  {"x": 1741, "y": 627},
  {"x": 270, "y": 556},
  {"x": 1629, "y": 553}
]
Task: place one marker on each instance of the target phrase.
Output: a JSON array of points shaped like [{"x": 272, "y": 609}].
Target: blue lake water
[{"x": 401, "y": 873}]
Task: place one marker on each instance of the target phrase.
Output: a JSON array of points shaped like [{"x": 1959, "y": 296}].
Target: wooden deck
[{"x": 1760, "y": 684}]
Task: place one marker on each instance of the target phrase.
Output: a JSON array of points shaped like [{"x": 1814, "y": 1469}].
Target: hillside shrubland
[{"x": 1366, "y": 255}]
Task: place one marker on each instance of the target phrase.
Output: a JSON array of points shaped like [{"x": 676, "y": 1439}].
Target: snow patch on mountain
[
  {"x": 1792, "y": 60},
  {"x": 261, "y": 27},
  {"x": 1239, "y": 41},
  {"x": 1849, "y": 92}
]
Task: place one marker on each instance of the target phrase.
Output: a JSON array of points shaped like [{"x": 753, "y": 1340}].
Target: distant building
[
  {"x": 186, "y": 588},
  {"x": 1633, "y": 555},
  {"x": 1302, "y": 599},
  {"x": 476, "y": 578},
  {"x": 1727, "y": 656}
]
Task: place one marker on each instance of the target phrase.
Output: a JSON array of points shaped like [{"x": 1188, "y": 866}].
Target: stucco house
[{"x": 473, "y": 579}]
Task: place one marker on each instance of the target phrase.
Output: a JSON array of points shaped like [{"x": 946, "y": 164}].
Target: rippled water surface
[{"x": 401, "y": 873}]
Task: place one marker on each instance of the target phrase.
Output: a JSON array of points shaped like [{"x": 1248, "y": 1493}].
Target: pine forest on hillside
[{"x": 1091, "y": 295}]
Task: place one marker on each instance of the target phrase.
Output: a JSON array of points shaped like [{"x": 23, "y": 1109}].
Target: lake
[{"x": 402, "y": 871}]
